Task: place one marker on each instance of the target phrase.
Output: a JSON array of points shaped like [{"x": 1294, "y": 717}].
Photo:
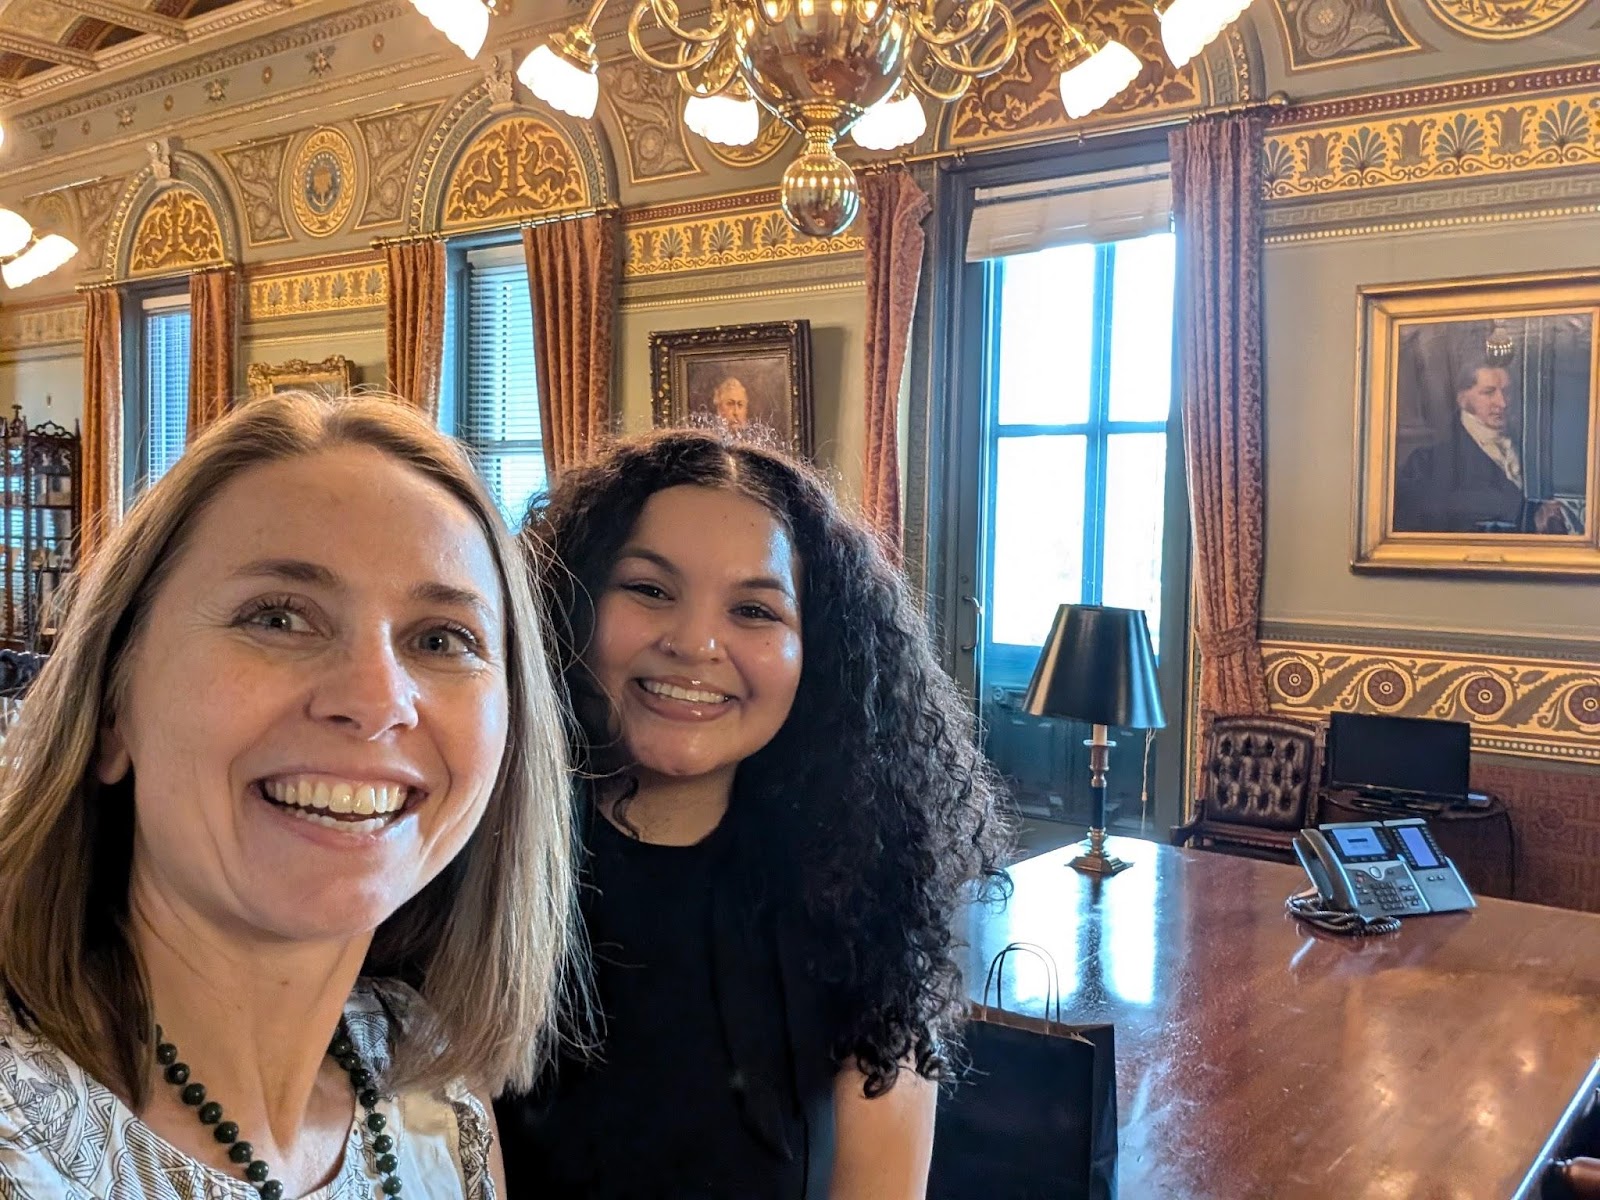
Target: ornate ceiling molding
[
  {"x": 171, "y": 169},
  {"x": 1502, "y": 20},
  {"x": 1330, "y": 33}
]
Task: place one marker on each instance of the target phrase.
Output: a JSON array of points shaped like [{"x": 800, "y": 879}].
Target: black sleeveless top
[{"x": 695, "y": 1090}]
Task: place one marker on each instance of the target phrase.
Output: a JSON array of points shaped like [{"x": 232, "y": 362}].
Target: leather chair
[{"x": 1258, "y": 784}]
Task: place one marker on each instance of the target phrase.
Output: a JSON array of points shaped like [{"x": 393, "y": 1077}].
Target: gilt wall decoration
[
  {"x": 322, "y": 182},
  {"x": 1325, "y": 33},
  {"x": 256, "y": 168},
  {"x": 177, "y": 231},
  {"x": 647, "y": 106},
  {"x": 1023, "y": 98},
  {"x": 518, "y": 167},
  {"x": 391, "y": 140},
  {"x": 317, "y": 288},
  {"x": 1499, "y": 126},
  {"x": 733, "y": 231},
  {"x": 1502, "y": 20}
]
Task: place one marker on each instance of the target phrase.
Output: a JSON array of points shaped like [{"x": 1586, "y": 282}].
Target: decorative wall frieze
[
  {"x": 255, "y": 168},
  {"x": 1528, "y": 706},
  {"x": 1506, "y": 125},
  {"x": 1327, "y": 33},
  {"x": 647, "y": 111},
  {"x": 177, "y": 231},
  {"x": 391, "y": 140},
  {"x": 32, "y": 328},
  {"x": 721, "y": 232},
  {"x": 1022, "y": 101},
  {"x": 315, "y": 286},
  {"x": 81, "y": 212},
  {"x": 518, "y": 167},
  {"x": 1502, "y": 20}
]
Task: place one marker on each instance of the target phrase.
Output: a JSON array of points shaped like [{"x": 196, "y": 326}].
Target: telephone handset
[{"x": 1381, "y": 869}]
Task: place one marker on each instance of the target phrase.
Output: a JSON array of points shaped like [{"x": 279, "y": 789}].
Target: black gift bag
[{"x": 1034, "y": 1117}]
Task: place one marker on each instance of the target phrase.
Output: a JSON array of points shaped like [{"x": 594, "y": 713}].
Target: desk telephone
[{"x": 1378, "y": 869}]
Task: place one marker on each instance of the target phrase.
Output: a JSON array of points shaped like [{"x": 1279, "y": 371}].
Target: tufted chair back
[{"x": 1258, "y": 784}]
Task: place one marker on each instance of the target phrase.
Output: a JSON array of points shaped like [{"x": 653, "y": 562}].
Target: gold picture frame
[
  {"x": 1477, "y": 439},
  {"x": 334, "y": 376},
  {"x": 736, "y": 375}
]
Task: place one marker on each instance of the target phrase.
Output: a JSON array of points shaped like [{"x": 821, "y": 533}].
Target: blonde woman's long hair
[{"x": 490, "y": 943}]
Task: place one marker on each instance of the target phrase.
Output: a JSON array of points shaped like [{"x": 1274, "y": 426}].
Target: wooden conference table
[{"x": 1257, "y": 1059}]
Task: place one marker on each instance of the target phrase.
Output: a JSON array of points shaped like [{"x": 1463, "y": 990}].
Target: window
[
  {"x": 497, "y": 403},
  {"x": 1079, "y": 393},
  {"x": 156, "y": 418}
]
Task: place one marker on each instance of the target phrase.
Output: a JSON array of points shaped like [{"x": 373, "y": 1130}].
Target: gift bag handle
[{"x": 996, "y": 978}]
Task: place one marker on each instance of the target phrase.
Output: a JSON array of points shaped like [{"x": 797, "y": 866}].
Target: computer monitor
[{"x": 1399, "y": 756}]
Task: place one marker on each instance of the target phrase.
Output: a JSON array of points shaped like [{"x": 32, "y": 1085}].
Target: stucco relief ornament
[
  {"x": 161, "y": 151},
  {"x": 500, "y": 82}
]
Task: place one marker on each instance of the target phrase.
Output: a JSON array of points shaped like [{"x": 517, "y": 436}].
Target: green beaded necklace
[{"x": 343, "y": 1050}]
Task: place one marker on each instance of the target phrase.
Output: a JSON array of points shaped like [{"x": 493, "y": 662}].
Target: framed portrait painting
[
  {"x": 333, "y": 376},
  {"x": 1478, "y": 426},
  {"x": 738, "y": 376}
]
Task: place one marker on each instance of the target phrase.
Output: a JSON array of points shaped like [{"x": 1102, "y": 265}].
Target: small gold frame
[
  {"x": 1383, "y": 313},
  {"x": 334, "y": 376}
]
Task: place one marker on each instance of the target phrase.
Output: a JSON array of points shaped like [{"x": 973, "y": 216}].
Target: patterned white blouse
[{"x": 63, "y": 1136}]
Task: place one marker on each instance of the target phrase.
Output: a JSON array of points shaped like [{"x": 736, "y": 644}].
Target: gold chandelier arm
[
  {"x": 990, "y": 63},
  {"x": 694, "y": 51},
  {"x": 976, "y": 20},
  {"x": 916, "y": 72},
  {"x": 666, "y": 15},
  {"x": 716, "y": 77},
  {"x": 773, "y": 12}
]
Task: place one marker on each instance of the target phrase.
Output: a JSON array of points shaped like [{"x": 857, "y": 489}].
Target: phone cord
[{"x": 1309, "y": 907}]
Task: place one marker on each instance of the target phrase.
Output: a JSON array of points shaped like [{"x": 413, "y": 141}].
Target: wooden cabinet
[{"x": 42, "y": 492}]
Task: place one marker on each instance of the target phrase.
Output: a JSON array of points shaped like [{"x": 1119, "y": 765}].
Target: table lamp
[{"x": 1097, "y": 666}]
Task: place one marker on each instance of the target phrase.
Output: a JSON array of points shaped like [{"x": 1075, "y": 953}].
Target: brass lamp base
[{"x": 1093, "y": 859}]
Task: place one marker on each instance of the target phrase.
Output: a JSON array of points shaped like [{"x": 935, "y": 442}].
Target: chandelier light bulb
[
  {"x": 560, "y": 82},
  {"x": 892, "y": 123},
  {"x": 464, "y": 22},
  {"x": 44, "y": 256},
  {"x": 2, "y": 135},
  {"x": 1189, "y": 26},
  {"x": 1095, "y": 79},
  {"x": 728, "y": 119},
  {"x": 15, "y": 233}
]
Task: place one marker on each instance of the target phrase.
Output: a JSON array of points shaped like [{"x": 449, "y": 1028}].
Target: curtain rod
[
  {"x": 161, "y": 277},
  {"x": 1273, "y": 103}
]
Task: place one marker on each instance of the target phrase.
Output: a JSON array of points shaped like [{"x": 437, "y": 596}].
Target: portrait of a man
[
  {"x": 739, "y": 377},
  {"x": 1492, "y": 426}
]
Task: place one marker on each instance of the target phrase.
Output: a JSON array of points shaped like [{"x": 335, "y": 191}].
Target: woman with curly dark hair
[{"x": 789, "y": 808}]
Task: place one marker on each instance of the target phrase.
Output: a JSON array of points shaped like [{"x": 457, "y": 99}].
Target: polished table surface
[{"x": 1258, "y": 1059}]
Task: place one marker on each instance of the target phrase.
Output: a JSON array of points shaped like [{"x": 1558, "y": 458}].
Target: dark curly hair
[{"x": 873, "y": 800}]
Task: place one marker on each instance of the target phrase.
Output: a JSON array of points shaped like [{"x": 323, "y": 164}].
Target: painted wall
[{"x": 1310, "y": 304}]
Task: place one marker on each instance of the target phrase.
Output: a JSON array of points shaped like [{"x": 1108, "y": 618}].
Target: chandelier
[
  {"x": 24, "y": 255},
  {"x": 827, "y": 68}
]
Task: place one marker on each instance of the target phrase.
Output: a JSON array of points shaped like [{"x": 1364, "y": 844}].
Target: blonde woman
[{"x": 264, "y": 784}]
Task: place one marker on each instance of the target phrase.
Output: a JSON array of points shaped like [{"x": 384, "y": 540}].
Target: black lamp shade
[{"x": 1097, "y": 667}]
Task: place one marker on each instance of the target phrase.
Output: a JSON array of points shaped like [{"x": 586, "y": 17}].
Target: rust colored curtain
[
  {"x": 894, "y": 207},
  {"x": 102, "y": 419},
  {"x": 414, "y": 328},
  {"x": 1216, "y": 198},
  {"x": 213, "y": 334},
  {"x": 572, "y": 276}
]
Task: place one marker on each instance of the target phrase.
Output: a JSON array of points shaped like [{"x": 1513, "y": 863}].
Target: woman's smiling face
[
  {"x": 315, "y": 707},
  {"x": 697, "y": 639}
]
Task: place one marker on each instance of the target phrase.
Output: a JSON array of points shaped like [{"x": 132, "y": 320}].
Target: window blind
[
  {"x": 1107, "y": 207},
  {"x": 166, "y": 347},
  {"x": 498, "y": 417}
]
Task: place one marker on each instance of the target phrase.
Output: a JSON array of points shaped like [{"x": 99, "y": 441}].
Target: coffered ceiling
[{"x": 51, "y": 44}]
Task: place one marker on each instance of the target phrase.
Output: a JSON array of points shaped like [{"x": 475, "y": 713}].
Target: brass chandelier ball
[{"x": 820, "y": 193}]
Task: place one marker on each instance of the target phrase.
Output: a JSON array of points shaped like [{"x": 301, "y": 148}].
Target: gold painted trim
[
  {"x": 1380, "y": 311},
  {"x": 702, "y": 301},
  {"x": 720, "y": 240},
  {"x": 1521, "y": 706},
  {"x": 58, "y": 323},
  {"x": 364, "y": 285},
  {"x": 1451, "y": 222}
]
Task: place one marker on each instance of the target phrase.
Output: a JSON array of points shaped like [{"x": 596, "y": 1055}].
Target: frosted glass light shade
[
  {"x": 464, "y": 22},
  {"x": 1189, "y": 26},
  {"x": 15, "y": 233},
  {"x": 897, "y": 121},
  {"x": 560, "y": 82},
  {"x": 726, "y": 119},
  {"x": 44, "y": 256},
  {"x": 1093, "y": 82}
]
